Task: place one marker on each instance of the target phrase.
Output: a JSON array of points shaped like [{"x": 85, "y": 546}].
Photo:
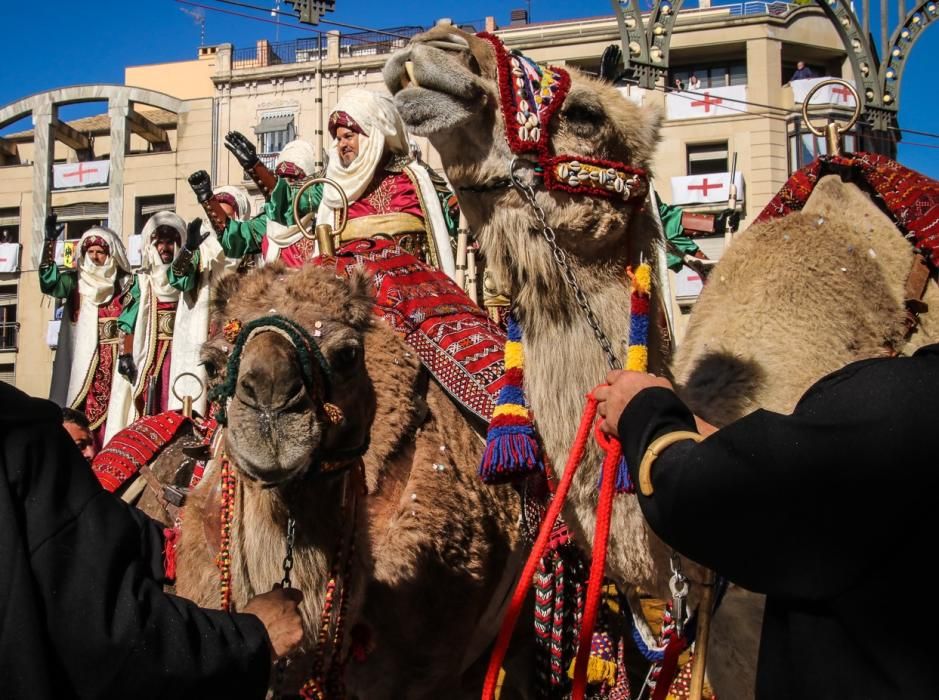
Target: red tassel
[{"x": 171, "y": 534}]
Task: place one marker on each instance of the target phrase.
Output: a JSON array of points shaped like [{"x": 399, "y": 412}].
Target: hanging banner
[
  {"x": 9, "y": 257},
  {"x": 93, "y": 172},
  {"x": 705, "y": 189},
  {"x": 688, "y": 283},
  {"x": 837, "y": 95},
  {"x": 633, "y": 93},
  {"x": 65, "y": 253},
  {"x": 709, "y": 102}
]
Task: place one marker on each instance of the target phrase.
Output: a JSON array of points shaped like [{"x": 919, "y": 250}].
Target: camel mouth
[{"x": 427, "y": 112}]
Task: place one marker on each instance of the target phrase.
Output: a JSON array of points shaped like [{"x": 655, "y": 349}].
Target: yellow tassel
[
  {"x": 598, "y": 671},
  {"x": 642, "y": 281},
  {"x": 513, "y": 355},
  {"x": 637, "y": 358},
  {"x": 510, "y": 409}
]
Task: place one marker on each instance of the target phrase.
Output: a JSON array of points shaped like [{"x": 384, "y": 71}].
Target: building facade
[{"x": 171, "y": 118}]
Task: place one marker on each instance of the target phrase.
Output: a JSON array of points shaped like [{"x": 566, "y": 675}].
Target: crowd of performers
[{"x": 128, "y": 335}]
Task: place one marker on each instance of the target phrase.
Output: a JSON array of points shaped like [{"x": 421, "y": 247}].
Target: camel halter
[{"x": 529, "y": 96}]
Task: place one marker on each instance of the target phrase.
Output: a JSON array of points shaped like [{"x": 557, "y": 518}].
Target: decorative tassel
[
  {"x": 512, "y": 448},
  {"x": 637, "y": 354},
  {"x": 171, "y": 536},
  {"x": 601, "y": 667}
]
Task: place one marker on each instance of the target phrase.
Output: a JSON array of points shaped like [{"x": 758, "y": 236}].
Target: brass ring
[
  {"x": 198, "y": 381},
  {"x": 815, "y": 88},
  {"x": 311, "y": 234}
]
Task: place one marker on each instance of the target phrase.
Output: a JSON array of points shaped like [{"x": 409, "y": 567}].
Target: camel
[
  {"x": 434, "y": 549},
  {"x": 445, "y": 87}
]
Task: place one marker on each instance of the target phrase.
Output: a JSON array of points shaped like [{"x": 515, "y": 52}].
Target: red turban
[
  {"x": 95, "y": 240},
  {"x": 337, "y": 119}
]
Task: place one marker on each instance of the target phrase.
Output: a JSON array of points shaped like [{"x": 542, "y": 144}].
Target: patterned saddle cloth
[
  {"x": 137, "y": 444},
  {"x": 455, "y": 339}
]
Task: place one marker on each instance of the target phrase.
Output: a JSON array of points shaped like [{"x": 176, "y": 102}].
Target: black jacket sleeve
[
  {"x": 114, "y": 631},
  {"x": 800, "y": 505}
]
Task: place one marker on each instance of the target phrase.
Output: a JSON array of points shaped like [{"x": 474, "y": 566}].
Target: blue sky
[{"x": 61, "y": 42}]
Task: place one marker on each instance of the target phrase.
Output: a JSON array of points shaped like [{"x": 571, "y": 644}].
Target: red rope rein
[{"x": 598, "y": 561}]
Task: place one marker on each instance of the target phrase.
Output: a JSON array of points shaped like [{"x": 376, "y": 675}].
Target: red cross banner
[
  {"x": 9, "y": 257},
  {"x": 705, "y": 189},
  {"x": 706, "y": 102},
  {"x": 837, "y": 95},
  {"x": 87, "y": 174}
]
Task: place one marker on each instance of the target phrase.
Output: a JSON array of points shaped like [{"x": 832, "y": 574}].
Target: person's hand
[
  {"x": 721, "y": 220},
  {"x": 243, "y": 150},
  {"x": 279, "y": 612},
  {"x": 52, "y": 228},
  {"x": 194, "y": 235},
  {"x": 621, "y": 388},
  {"x": 126, "y": 367},
  {"x": 201, "y": 184}
]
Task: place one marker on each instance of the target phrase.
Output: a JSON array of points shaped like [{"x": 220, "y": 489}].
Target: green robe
[
  {"x": 674, "y": 234},
  {"x": 242, "y": 238},
  {"x": 61, "y": 285}
]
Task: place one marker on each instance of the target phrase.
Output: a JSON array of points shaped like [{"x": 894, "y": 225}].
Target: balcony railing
[
  {"x": 9, "y": 334},
  {"x": 758, "y": 8},
  {"x": 376, "y": 43},
  {"x": 265, "y": 54}
]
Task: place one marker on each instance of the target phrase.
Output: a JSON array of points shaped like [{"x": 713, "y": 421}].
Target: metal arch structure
[{"x": 646, "y": 49}]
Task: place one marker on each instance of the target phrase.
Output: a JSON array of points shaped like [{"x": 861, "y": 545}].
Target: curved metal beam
[
  {"x": 646, "y": 46},
  {"x": 900, "y": 47}
]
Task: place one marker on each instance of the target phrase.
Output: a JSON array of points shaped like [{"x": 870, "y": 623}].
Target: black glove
[
  {"x": 126, "y": 367},
  {"x": 194, "y": 235},
  {"x": 52, "y": 229},
  {"x": 243, "y": 150},
  {"x": 201, "y": 184},
  {"x": 731, "y": 216}
]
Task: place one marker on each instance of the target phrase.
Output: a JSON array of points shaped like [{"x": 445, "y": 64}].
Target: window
[
  {"x": 707, "y": 158},
  {"x": 10, "y": 225},
  {"x": 274, "y": 131},
  {"x": 145, "y": 207},
  {"x": 9, "y": 328},
  {"x": 804, "y": 146},
  {"x": 8, "y": 373},
  {"x": 711, "y": 75},
  {"x": 80, "y": 217}
]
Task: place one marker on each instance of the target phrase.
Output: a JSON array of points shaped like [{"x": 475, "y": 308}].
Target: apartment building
[{"x": 172, "y": 119}]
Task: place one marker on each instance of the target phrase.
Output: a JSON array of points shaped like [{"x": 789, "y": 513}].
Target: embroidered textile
[
  {"x": 454, "y": 338},
  {"x": 910, "y": 198},
  {"x": 136, "y": 445}
]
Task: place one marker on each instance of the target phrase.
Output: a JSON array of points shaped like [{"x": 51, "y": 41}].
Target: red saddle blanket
[
  {"x": 454, "y": 338},
  {"x": 137, "y": 444},
  {"x": 908, "y": 197}
]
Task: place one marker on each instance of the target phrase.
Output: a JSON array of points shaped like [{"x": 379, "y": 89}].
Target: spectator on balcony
[
  {"x": 802, "y": 72},
  {"x": 678, "y": 84},
  {"x": 693, "y": 82}
]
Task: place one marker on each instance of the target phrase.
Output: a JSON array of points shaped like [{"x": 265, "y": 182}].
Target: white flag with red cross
[
  {"x": 89, "y": 173},
  {"x": 838, "y": 95},
  {"x": 705, "y": 189},
  {"x": 707, "y": 102}
]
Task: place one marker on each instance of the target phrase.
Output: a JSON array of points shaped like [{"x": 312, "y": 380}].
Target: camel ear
[
  {"x": 361, "y": 303},
  {"x": 223, "y": 290}
]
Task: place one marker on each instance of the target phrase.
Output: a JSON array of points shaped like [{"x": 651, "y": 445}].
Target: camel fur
[{"x": 433, "y": 546}]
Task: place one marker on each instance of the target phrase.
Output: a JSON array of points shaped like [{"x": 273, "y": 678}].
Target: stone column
[
  {"x": 43, "y": 156},
  {"x": 118, "y": 107}
]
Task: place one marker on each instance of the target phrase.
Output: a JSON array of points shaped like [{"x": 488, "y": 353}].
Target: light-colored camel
[
  {"x": 433, "y": 546},
  {"x": 455, "y": 103},
  {"x": 792, "y": 300}
]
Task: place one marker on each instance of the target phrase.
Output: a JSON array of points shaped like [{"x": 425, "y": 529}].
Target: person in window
[
  {"x": 678, "y": 84},
  {"x": 693, "y": 82},
  {"x": 802, "y": 72}
]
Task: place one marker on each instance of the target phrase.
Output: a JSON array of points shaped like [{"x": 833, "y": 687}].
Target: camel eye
[
  {"x": 211, "y": 369},
  {"x": 584, "y": 117},
  {"x": 346, "y": 357}
]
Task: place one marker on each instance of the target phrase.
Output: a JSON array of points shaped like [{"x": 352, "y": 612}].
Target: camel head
[
  {"x": 286, "y": 362},
  {"x": 583, "y": 148}
]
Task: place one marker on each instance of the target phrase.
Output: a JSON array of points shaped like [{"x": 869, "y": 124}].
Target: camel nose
[{"x": 270, "y": 377}]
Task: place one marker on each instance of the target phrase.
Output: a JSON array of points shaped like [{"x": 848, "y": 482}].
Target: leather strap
[
  {"x": 217, "y": 216},
  {"x": 263, "y": 178}
]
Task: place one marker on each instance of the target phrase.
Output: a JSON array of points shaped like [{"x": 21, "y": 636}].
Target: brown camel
[{"x": 434, "y": 549}]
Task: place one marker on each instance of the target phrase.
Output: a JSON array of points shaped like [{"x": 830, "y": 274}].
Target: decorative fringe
[
  {"x": 601, "y": 666},
  {"x": 512, "y": 448}
]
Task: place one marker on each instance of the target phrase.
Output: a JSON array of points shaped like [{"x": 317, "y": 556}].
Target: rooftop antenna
[
  {"x": 198, "y": 16},
  {"x": 275, "y": 13}
]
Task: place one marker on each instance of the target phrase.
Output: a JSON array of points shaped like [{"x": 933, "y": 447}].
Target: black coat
[
  {"x": 82, "y": 614},
  {"x": 831, "y": 512}
]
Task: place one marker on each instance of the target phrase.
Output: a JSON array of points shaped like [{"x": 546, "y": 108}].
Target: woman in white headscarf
[
  {"x": 149, "y": 317},
  {"x": 389, "y": 192},
  {"x": 100, "y": 281}
]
